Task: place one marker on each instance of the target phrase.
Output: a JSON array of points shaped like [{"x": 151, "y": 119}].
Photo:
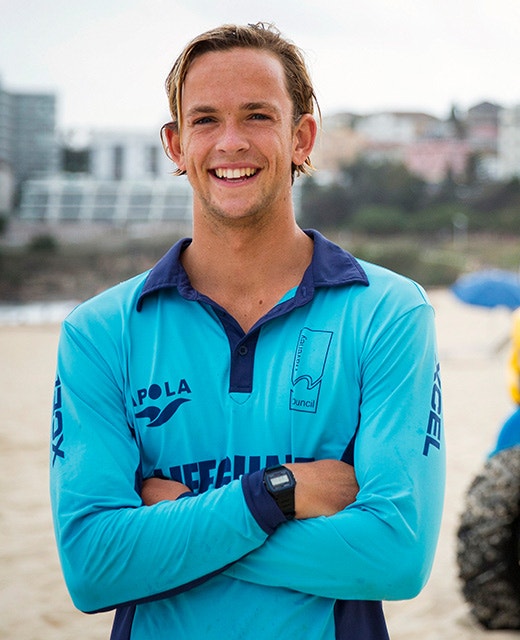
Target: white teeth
[{"x": 231, "y": 174}]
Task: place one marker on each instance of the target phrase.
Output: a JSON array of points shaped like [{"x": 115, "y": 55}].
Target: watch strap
[{"x": 284, "y": 498}]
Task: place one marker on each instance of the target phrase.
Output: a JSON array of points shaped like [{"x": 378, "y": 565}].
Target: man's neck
[{"x": 247, "y": 271}]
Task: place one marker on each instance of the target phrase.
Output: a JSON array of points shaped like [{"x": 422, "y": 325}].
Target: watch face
[{"x": 279, "y": 481}]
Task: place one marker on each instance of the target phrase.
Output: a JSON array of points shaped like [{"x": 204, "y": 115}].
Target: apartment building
[
  {"x": 28, "y": 141},
  {"x": 28, "y": 144}
]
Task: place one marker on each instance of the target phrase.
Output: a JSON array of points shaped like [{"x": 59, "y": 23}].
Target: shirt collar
[{"x": 331, "y": 266}]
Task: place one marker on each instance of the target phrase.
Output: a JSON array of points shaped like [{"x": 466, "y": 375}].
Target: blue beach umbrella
[{"x": 489, "y": 288}]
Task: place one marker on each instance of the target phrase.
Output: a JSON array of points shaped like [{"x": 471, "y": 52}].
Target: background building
[
  {"x": 509, "y": 143},
  {"x": 28, "y": 144},
  {"x": 34, "y": 147},
  {"x": 128, "y": 155},
  {"x": 28, "y": 133},
  {"x": 119, "y": 202},
  {"x": 129, "y": 179},
  {"x": 465, "y": 146}
]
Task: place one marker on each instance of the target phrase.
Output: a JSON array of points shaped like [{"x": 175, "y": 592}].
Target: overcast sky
[{"x": 107, "y": 59}]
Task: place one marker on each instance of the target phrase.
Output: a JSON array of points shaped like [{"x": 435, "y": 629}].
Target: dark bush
[{"x": 43, "y": 243}]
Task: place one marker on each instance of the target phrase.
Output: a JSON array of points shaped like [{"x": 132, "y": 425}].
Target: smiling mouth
[{"x": 235, "y": 174}]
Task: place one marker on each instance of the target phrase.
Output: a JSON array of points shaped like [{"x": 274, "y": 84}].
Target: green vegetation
[
  {"x": 384, "y": 214},
  {"x": 43, "y": 243},
  {"x": 385, "y": 199}
]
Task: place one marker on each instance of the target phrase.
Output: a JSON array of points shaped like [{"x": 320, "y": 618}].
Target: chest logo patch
[
  {"x": 308, "y": 368},
  {"x": 157, "y": 393},
  {"x": 157, "y": 416}
]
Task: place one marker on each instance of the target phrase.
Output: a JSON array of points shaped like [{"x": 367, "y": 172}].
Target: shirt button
[{"x": 242, "y": 350}]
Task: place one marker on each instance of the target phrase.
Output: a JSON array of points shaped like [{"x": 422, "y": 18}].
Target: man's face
[{"x": 238, "y": 138}]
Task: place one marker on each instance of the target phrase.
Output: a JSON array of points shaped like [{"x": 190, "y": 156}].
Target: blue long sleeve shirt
[{"x": 155, "y": 379}]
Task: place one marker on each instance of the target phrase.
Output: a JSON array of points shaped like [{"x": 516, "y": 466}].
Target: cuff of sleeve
[
  {"x": 261, "y": 504},
  {"x": 186, "y": 494}
]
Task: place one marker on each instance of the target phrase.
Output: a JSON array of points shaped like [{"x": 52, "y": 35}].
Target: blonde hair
[{"x": 261, "y": 36}]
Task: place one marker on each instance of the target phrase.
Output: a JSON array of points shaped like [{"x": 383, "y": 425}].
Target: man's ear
[
  {"x": 304, "y": 137},
  {"x": 172, "y": 144}
]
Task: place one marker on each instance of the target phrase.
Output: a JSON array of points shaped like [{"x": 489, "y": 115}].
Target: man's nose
[{"x": 232, "y": 138}]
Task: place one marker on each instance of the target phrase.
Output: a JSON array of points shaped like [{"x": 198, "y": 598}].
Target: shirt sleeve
[
  {"x": 382, "y": 546},
  {"x": 113, "y": 549}
]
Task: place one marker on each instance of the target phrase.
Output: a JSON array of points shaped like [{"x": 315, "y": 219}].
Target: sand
[{"x": 34, "y": 604}]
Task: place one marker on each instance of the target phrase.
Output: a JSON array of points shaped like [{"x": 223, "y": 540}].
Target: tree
[
  {"x": 384, "y": 183},
  {"x": 457, "y": 123},
  {"x": 324, "y": 206}
]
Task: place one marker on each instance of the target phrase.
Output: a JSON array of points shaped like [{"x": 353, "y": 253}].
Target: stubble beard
[{"x": 254, "y": 216}]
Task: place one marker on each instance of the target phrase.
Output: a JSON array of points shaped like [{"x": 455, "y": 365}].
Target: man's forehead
[
  {"x": 248, "y": 78},
  {"x": 253, "y": 62}
]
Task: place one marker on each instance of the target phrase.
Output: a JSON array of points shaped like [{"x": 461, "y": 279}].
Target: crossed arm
[{"x": 323, "y": 488}]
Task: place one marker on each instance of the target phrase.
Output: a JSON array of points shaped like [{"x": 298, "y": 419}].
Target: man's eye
[
  {"x": 259, "y": 116},
  {"x": 204, "y": 120}
]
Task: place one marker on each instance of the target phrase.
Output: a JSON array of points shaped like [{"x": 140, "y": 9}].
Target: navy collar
[{"x": 331, "y": 266}]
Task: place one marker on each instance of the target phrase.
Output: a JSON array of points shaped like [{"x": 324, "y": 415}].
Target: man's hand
[
  {"x": 158, "y": 489},
  {"x": 323, "y": 487}
]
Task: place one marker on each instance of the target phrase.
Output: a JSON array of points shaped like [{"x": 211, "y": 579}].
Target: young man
[{"x": 209, "y": 414}]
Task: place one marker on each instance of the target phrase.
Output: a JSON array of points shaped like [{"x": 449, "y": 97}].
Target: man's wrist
[
  {"x": 280, "y": 484},
  {"x": 261, "y": 504}
]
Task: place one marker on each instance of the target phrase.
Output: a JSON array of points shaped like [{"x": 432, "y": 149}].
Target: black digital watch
[{"x": 280, "y": 484}]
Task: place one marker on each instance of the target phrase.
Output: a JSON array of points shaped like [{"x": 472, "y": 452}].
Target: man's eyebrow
[
  {"x": 200, "y": 110},
  {"x": 259, "y": 106}
]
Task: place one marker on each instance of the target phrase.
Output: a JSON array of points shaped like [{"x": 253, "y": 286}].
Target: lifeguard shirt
[{"x": 155, "y": 379}]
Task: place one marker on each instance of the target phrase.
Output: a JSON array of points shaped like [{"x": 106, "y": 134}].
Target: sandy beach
[{"x": 34, "y": 603}]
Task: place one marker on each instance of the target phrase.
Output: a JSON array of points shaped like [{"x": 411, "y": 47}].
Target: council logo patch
[{"x": 308, "y": 367}]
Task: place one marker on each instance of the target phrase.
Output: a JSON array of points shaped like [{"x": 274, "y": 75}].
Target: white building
[
  {"x": 128, "y": 155},
  {"x": 509, "y": 143},
  {"x": 130, "y": 180},
  {"x": 395, "y": 127},
  {"x": 119, "y": 202}
]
